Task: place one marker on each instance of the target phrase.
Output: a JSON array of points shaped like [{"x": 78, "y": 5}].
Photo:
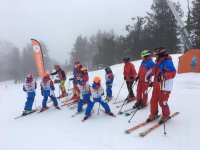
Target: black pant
[{"x": 130, "y": 88}]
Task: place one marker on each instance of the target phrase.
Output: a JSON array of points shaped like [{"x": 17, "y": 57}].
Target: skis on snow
[
  {"x": 155, "y": 126},
  {"x": 23, "y": 115}
]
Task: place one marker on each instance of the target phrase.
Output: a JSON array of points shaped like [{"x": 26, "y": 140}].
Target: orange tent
[{"x": 190, "y": 61}]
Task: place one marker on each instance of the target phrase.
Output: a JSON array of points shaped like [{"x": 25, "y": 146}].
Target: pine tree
[
  {"x": 196, "y": 21},
  {"x": 163, "y": 26}
]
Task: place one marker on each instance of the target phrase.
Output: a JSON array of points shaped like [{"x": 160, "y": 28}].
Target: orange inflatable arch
[{"x": 190, "y": 61}]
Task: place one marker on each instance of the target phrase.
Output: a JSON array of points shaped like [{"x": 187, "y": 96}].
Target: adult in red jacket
[
  {"x": 129, "y": 75},
  {"x": 146, "y": 67},
  {"x": 163, "y": 84}
]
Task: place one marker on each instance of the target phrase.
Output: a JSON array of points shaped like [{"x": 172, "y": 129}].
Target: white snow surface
[{"x": 57, "y": 130}]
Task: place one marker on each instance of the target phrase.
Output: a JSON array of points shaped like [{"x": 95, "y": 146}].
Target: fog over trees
[{"x": 105, "y": 48}]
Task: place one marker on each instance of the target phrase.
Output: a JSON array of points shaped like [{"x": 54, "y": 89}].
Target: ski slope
[{"x": 57, "y": 130}]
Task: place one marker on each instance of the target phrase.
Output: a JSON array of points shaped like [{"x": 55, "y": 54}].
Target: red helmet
[
  {"x": 46, "y": 74},
  {"x": 77, "y": 61},
  {"x": 56, "y": 67},
  {"x": 29, "y": 76}
]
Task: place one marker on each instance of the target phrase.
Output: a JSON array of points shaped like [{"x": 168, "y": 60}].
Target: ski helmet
[
  {"x": 107, "y": 69},
  {"x": 30, "y": 76},
  {"x": 145, "y": 53},
  {"x": 97, "y": 80},
  {"x": 46, "y": 75},
  {"x": 77, "y": 61},
  {"x": 84, "y": 69},
  {"x": 160, "y": 51},
  {"x": 126, "y": 58},
  {"x": 56, "y": 67}
]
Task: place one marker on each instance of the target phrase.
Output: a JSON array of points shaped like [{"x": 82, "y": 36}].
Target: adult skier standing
[
  {"x": 163, "y": 84},
  {"x": 145, "y": 70}
]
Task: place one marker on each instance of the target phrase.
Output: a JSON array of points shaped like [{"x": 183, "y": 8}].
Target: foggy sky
[{"x": 58, "y": 22}]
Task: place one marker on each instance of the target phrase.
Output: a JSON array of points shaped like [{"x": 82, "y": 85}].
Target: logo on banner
[{"x": 36, "y": 48}]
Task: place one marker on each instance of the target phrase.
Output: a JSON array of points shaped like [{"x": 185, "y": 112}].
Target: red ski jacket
[{"x": 129, "y": 71}]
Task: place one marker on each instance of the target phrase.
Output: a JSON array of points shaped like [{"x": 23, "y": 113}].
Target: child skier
[
  {"x": 84, "y": 89},
  {"x": 109, "y": 81},
  {"x": 29, "y": 87},
  {"x": 145, "y": 69},
  {"x": 97, "y": 91},
  {"x": 163, "y": 84},
  {"x": 62, "y": 79},
  {"x": 47, "y": 90},
  {"x": 129, "y": 76}
]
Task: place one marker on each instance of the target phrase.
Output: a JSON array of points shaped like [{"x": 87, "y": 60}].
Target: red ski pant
[
  {"x": 160, "y": 97},
  {"x": 142, "y": 94}
]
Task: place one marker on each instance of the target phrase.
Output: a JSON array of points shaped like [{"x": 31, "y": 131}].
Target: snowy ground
[{"x": 56, "y": 130}]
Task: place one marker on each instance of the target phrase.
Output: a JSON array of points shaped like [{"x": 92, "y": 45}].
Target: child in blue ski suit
[
  {"x": 84, "y": 88},
  {"x": 97, "y": 91},
  {"x": 109, "y": 81},
  {"x": 47, "y": 90},
  {"x": 29, "y": 87}
]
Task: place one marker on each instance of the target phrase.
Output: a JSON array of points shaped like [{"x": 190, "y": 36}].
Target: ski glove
[
  {"x": 148, "y": 77},
  {"x": 131, "y": 78},
  {"x": 150, "y": 84},
  {"x": 160, "y": 78},
  {"x": 137, "y": 78}
]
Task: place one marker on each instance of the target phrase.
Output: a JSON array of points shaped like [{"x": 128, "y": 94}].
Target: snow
[{"x": 57, "y": 130}]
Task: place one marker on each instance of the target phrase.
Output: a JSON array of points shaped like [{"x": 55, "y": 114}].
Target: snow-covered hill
[{"x": 57, "y": 130}]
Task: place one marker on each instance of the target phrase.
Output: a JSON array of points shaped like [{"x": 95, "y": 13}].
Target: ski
[
  {"x": 112, "y": 115},
  {"x": 77, "y": 113},
  {"x": 139, "y": 125},
  {"x": 155, "y": 126},
  {"x": 86, "y": 118},
  {"x": 131, "y": 111},
  {"x": 34, "y": 110}
]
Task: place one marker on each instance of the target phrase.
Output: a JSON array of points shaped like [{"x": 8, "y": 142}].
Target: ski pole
[
  {"x": 119, "y": 92},
  {"x": 133, "y": 115},
  {"x": 98, "y": 108},
  {"x": 122, "y": 106},
  {"x": 162, "y": 106},
  {"x": 138, "y": 107}
]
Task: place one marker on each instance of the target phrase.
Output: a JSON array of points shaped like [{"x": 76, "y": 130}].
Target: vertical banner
[{"x": 38, "y": 57}]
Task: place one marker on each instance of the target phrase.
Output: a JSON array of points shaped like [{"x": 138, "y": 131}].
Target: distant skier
[
  {"x": 129, "y": 76},
  {"x": 97, "y": 93},
  {"x": 109, "y": 81},
  {"x": 47, "y": 90},
  {"x": 29, "y": 87},
  {"x": 145, "y": 69},
  {"x": 62, "y": 79},
  {"x": 84, "y": 87},
  {"x": 163, "y": 84}
]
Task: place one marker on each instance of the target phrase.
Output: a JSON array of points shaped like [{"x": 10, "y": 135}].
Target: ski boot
[
  {"x": 163, "y": 119},
  {"x": 137, "y": 105},
  {"x": 44, "y": 108},
  {"x": 152, "y": 117}
]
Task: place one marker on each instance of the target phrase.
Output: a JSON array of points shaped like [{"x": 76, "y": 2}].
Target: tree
[
  {"x": 162, "y": 25},
  {"x": 195, "y": 12}
]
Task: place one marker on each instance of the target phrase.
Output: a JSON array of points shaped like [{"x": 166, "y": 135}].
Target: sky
[{"x": 58, "y": 22}]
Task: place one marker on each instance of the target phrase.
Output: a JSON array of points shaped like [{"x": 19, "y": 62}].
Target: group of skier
[{"x": 162, "y": 69}]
